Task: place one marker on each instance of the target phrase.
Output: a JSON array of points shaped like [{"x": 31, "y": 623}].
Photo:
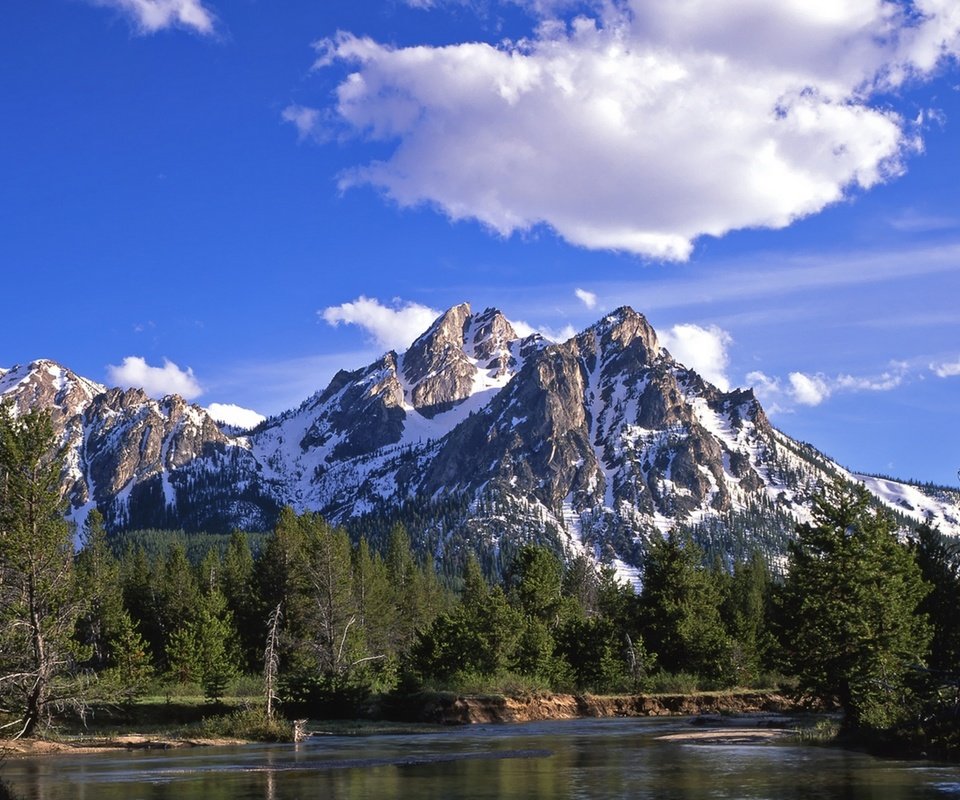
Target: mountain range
[{"x": 475, "y": 437}]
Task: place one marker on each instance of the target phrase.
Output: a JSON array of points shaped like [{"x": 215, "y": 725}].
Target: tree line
[{"x": 857, "y": 613}]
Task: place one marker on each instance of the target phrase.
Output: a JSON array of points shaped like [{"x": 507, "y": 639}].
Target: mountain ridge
[{"x": 590, "y": 445}]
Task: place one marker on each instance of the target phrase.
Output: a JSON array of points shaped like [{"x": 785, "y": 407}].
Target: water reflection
[{"x": 568, "y": 761}]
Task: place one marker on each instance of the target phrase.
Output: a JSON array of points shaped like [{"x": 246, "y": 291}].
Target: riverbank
[
  {"x": 452, "y": 709},
  {"x": 445, "y": 709}
]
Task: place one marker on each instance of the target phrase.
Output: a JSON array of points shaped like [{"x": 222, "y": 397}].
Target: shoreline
[
  {"x": 451, "y": 709},
  {"x": 454, "y": 709}
]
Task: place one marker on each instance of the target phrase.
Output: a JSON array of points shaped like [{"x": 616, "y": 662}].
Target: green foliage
[
  {"x": 851, "y": 602},
  {"x": 39, "y": 604},
  {"x": 679, "y": 609},
  {"x": 204, "y": 648},
  {"x": 251, "y": 724},
  {"x": 939, "y": 561}
]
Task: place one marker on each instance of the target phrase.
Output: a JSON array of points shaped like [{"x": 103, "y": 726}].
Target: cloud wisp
[
  {"x": 589, "y": 299},
  {"x": 151, "y": 16},
  {"x": 807, "y": 389},
  {"x": 646, "y": 124},
  {"x": 305, "y": 119},
  {"x": 135, "y": 372},
  {"x": 946, "y": 369}
]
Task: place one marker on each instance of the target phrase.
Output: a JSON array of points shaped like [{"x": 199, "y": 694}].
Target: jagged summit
[
  {"x": 475, "y": 438},
  {"x": 47, "y": 384}
]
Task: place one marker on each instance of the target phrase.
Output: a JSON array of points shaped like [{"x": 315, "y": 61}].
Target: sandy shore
[{"x": 132, "y": 741}]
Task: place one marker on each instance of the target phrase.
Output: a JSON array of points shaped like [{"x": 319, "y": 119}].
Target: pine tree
[
  {"x": 335, "y": 637},
  {"x": 745, "y": 614},
  {"x": 98, "y": 577},
  {"x": 680, "y": 610},
  {"x": 939, "y": 561},
  {"x": 237, "y": 580},
  {"x": 117, "y": 651},
  {"x": 376, "y": 612},
  {"x": 38, "y": 599},
  {"x": 851, "y": 597}
]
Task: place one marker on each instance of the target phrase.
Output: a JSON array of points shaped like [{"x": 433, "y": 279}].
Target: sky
[{"x": 232, "y": 201}]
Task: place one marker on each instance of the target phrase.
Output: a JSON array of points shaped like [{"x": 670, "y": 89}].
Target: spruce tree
[
  {"x": 117, "y": 651},
  {"x": 39, "y": 605},
  {"x": 680, "y": 610},
  {"x": 851, "y": 600}
]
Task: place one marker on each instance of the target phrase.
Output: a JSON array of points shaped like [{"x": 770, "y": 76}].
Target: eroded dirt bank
[{"x": 463, "y": 710}]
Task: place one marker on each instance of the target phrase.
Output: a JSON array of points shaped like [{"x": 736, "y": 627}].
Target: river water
[{"x": 611, "y": 758}]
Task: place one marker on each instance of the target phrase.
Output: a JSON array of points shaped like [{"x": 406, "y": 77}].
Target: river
[{"x": 598, "y": 758}]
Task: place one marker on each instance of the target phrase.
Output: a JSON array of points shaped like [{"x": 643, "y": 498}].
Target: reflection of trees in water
[{"x": 271, "y": 789}]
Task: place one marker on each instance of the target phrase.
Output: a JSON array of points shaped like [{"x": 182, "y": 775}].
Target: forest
[{"x": 860, "y": 614}]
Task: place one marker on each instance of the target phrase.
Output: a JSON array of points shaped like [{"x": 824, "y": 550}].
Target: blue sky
[{"x": 195, "y": 195}]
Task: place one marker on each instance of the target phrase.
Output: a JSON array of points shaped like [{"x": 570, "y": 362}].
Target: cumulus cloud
[
  {"x": 391, "y": 327},
  {"x": 703, "y": 350},
  {"x": 135, "y": 372},
  {"x": 946, "y": 369},
  {"x": 234, "y": 415},
  {"x": 809, "y": 390},
  {"x": 306, "y": 120},
  {"x": 813, "y": 389},
  {"x": 589, "y": 299},
  {"x": 150, "y": 16},
  {"x": 647, "y": 123}
]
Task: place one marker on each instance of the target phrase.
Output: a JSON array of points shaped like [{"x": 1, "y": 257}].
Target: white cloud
[
  {"x": 809, "y": 390},
  {"x": 946, "y": 369},
  {"x": 703, "y": 350},
  {"x": 589, "y": 299},
  {"x": 651, "y": 123},
  {"x": 812, "y": 390},
  {"x": 393, "y": 328},
  {"x": 525, "y": 329},
  {"x": 305, "y": 120},
  {"x": 230, "y": 414},
  {"x": 151, "y": 16},
  {"x": 134, "y": 372}
]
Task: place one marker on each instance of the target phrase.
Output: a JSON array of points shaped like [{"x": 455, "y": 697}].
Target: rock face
[{"x": 473, "y": 437}]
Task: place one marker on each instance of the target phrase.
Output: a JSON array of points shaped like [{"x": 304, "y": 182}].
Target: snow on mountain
[
  {"x": 939, "y": 507},
  {"x": 476, "y": 438}
]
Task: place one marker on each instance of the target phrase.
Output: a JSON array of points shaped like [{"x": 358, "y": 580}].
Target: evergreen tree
[
  {"x": 116, "y": 649},
  {"x": 336, "y": 639},
  {"x": 745, "y": 613},
  {"x": 239, "y": 588},
  {"x": 408, "y": 589},
  {"x": 479, "y": 635},
  {"x": 38, "y": 599},
  {"x": 939, "y": 561},
  {"x": 376, "y": 612},
  {"x": 281, "y": 581},
  {"x": 204, "y": 649},
  {"x": 852, "y": 596},
  {"x": 177, "y": 595},
  {"x": 140, "y": 600},
  {"x": 534, "y": 582},
  {"x": 680, "y": 610},
  {"x": 98, "y": 577}
]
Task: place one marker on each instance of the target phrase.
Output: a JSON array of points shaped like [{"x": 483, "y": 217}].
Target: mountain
[{"x": 476, "y": 438}]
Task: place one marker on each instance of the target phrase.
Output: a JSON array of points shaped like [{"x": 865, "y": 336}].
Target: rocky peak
[
  {"x": 438, "y": 371},
  {"x": 625, "y": 328},
  {"x": 489, "y": 339},
  {"x": 47, "y": 384},
  {"x": 440, "y": 344}
]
